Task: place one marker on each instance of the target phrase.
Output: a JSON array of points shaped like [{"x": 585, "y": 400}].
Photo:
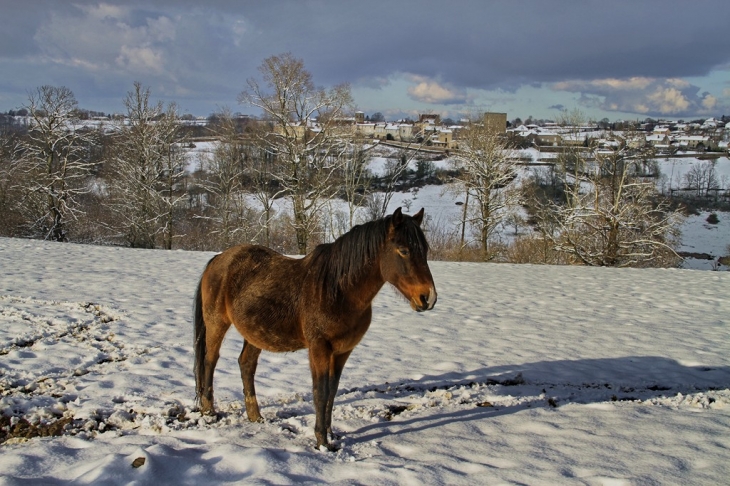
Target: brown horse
[{"x": 322, "y": 302}]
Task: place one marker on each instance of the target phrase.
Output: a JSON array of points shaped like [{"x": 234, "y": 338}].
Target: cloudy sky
[{"x": 618, "y": 59}]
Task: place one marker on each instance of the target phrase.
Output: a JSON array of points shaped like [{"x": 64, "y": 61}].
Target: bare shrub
[
  {"x": 445, "y": 244},
  {"x": 536, "y": 250}
]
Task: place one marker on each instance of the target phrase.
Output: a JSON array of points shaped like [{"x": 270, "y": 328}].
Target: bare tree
[
  {"x": 172, "y": 191},
  {"x": 702, "y": 178},
  {"x": 487, "y": 167},
  {"x": 11, "y": 182},
  {"x": 396, "y": 168},
  {"x": 148, "y": 169},
  {"x": 55, "y": 161},
  {"x": 306, "y": 135},
  {"x": 224, "y": 182},
  {"x": 262, "y": 170},
  {"x": 571, "y": 162},
  {"x": 356, "y": 179},
  {"x": 611, "y": 215}
]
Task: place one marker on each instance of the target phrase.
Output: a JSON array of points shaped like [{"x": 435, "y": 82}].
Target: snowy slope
[{"x": 520, "y": 375}]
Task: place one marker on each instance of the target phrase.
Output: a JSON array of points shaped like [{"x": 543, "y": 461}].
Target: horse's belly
[
  {"x": 271, "y": 331},
  {"x": 274, "y": 343}
]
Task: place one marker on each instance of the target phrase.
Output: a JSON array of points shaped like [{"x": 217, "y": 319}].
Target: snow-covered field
[
  {"x": 674, "y": 169},
  {"x": 520, "y": 375},
  {"x": 699, "y": 236}
]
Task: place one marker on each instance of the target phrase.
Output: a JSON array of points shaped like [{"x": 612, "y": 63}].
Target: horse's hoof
[{"x": 328, "y": 447}]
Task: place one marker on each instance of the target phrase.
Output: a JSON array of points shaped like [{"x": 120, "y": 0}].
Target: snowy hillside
[
  {"x": 520, "y": 375},
  {"x": 444, "y": 203}
]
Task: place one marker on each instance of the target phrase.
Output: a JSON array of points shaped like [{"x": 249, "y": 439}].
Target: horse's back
[
  {"x": 249, "y": 260},
  {"x": 257, "y": 290}
]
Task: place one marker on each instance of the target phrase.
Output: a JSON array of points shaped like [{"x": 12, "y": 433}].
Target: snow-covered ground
[
  {"x": 674, "y": 169},
  {"x": 520, "y": 375},
  {"x": 699, "y": 236}
]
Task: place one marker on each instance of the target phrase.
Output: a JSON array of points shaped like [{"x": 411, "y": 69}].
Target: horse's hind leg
[
  {"x": 213, "y": 341},
  {"x": 247, "y": 361}
]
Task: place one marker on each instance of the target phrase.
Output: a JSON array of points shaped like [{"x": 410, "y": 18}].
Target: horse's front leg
[
  {"x": 335, "y": 374},
  {"x": 321, "y": 362},
  {"x": 247, "y": 361}
]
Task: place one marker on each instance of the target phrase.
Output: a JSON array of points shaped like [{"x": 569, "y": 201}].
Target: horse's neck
[
  {"x": 363, "y": 290},
  {"x": 358, "y": 280}
]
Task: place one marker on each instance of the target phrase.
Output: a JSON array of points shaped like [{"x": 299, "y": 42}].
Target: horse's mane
[{"x": 343, "y": 261}]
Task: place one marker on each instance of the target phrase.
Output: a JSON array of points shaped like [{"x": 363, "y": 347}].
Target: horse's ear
[
  {"x": 397, "y": 218},
  {"x": 418, "y": 217}
]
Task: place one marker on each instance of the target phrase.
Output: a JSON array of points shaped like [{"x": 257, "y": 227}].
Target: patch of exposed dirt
[{"x": 20, "y": 428}]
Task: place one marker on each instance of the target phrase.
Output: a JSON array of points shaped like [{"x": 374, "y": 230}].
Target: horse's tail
[{"x": 199, "y": 340}]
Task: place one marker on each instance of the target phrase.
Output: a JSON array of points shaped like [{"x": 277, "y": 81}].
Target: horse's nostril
[{"x": 424, "y": 301}]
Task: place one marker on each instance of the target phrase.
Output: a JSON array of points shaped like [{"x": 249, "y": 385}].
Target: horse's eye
[{"x": 403, "y": 252}]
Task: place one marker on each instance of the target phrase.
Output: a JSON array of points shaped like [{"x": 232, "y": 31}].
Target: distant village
[
  {"x": 430, "y": 132},
  {"x": 667, "y": 137}
]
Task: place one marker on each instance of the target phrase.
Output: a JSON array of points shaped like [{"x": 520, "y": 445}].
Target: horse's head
[{"x": 403, "y": 262}]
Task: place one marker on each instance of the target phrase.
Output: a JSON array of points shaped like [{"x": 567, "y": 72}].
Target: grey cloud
[
  {"x": 189, "y": 49},
  {"x": 483, "y": 45}
]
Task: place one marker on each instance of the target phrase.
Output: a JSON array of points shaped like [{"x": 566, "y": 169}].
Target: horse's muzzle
[{"x": 426, "y": 301}]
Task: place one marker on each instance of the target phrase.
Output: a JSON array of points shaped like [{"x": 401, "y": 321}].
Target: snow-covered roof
[{"x": 692, "y": 138}]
